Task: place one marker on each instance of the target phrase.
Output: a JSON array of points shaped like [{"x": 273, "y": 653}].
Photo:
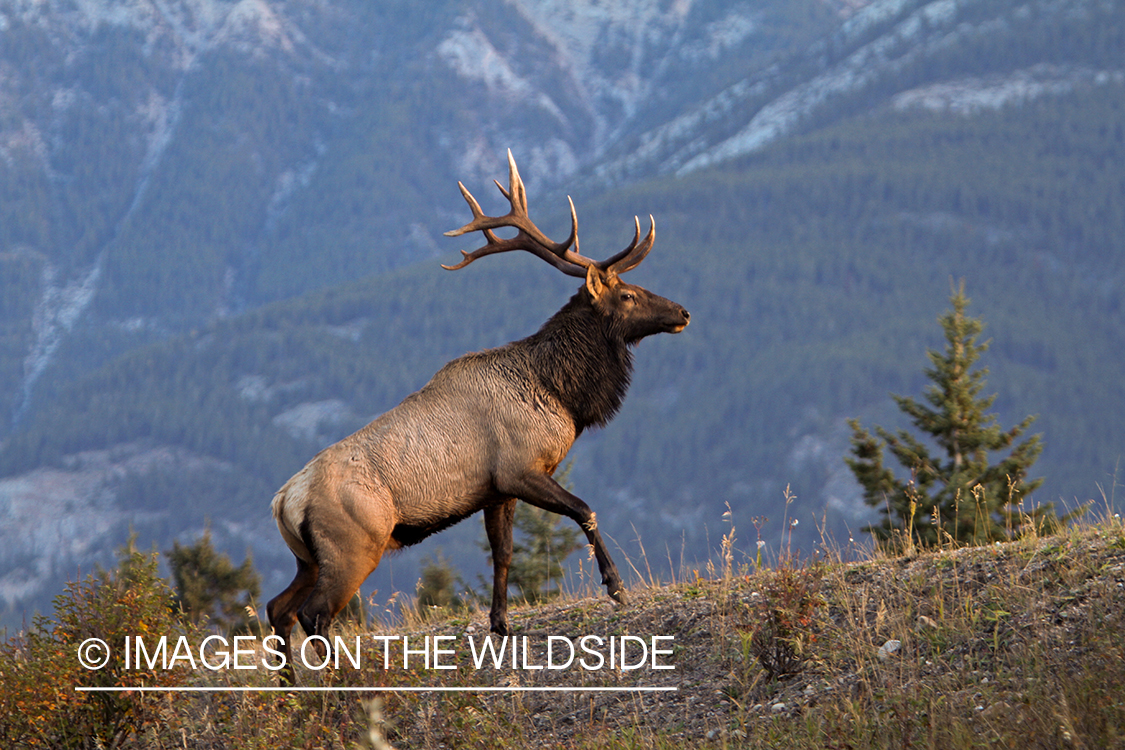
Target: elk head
[{"x": 634, "y": 312}]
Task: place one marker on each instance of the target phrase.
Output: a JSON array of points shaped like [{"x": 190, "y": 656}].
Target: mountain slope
[{"x": 164, "y": 164}]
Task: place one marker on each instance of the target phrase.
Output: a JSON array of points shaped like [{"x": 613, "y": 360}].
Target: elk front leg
[
  {"x": 544, "y": 492},
  {"x": 498, "y": 520}
]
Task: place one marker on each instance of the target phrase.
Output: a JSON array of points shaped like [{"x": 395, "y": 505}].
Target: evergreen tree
[
  {"x": 438, "y": 585},
  {"x": 543, "y": 541},
  {"x": 208, "y": 585},
  {"x": 956, "y": 492}
]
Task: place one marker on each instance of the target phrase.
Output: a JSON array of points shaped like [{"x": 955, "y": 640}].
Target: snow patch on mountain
[
  {"x": 878, "y": 42},
  {"x": 738, "y": 24},
  {"x": 928, "y": 29},
  {"x": 314, "y": 420},
  {"x": 922, "y": 31},
  {"x": 880, "y": 11},
  {"x": 59, "y": 308},
  {"x": 62, "y": 303},
  {"x": 581, "y": 30},
  {"x": 56, "y": 521},
  {"x": 971, "y": 95},
  {"x": 22, "y": 141},
  {"x": 194, "y": 25},
  {"x": 609, "y": 58},
  {"x": 472, "y": 55},
  {"x": 252, "y": 23}
]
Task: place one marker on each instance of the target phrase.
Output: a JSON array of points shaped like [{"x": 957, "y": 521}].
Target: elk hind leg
[
  {"x": 346, "y": 557},
  {"x": 282, "y": 609},
  {"x": 333, "y": 590}
]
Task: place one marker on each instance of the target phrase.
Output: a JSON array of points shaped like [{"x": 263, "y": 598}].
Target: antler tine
[
  {"x": 573, "y": 226},
  {"x": 518, "y": 197},
  {"x": 473, "y": 206},
  {"x": 631, "y": 256},
  {"x": 641, "y": 251},
  {"x": 608, "y": 262}
]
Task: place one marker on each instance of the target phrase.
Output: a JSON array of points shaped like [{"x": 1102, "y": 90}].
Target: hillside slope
[{"x": 1010, "y": 645}]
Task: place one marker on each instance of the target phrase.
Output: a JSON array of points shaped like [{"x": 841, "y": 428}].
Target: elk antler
[
  {"x": 631, "y": 257},
  {"x": 530, "y": 238}
]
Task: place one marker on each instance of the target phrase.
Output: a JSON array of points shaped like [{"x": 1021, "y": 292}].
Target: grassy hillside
[{"x": 1009, "y": 645}]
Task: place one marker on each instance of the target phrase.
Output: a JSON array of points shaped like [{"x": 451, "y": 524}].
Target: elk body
[{"x": 489, "y": 428}]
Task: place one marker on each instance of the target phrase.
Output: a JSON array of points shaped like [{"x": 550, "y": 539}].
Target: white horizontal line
[{"x": 183, "y": 689}]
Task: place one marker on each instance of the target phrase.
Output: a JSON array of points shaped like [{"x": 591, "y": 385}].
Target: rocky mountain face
[
  {"x": 165, "y": 164},
  {"x": 160, "y": 158}
]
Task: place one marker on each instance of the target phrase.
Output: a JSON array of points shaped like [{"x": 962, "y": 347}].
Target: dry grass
[{"x": 1013, "y": 645}]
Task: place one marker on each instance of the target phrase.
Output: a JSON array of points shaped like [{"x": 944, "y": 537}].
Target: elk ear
[{"x": 596, "y": 281}]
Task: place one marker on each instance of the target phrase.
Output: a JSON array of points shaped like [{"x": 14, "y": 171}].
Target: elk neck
[{"x": 581, "y": 361}]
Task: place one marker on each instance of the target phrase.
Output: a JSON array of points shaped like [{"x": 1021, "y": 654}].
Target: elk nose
[{"x": 686, "y": 314}]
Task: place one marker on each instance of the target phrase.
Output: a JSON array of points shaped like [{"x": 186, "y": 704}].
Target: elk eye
[{"x": 628, "y": 296}]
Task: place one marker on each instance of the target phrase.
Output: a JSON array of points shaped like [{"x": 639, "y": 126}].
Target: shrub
[
  {"x": 41, "y": 706},
  {"x": 784, "y": 615}
]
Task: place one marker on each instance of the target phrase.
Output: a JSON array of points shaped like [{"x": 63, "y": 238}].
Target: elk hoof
[
  {"x": 619, "y": 596},
  {"x": 287, "y": 677}
]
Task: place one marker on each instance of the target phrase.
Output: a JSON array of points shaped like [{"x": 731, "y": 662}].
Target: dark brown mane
[{"x": 581, "y": 363}]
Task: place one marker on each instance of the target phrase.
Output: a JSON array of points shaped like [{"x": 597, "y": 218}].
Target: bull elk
[{"x": 489, "y": 428}]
